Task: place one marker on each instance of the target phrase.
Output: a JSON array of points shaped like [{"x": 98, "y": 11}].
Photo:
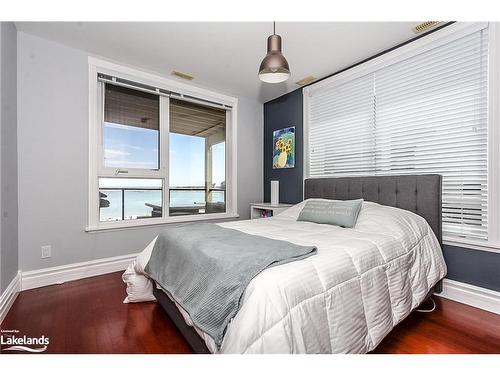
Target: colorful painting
[{"x": 284, "y": 148}]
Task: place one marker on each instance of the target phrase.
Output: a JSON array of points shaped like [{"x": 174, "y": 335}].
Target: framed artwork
[{"x": 284, "y": 148}]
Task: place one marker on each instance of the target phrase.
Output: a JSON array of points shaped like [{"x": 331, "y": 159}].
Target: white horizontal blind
[
  {"x": 429, "y": 115},
  {"x": 341, "y": 136}
]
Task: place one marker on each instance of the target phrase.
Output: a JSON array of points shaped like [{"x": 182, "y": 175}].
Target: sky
[{"x": 135, "y": 147}]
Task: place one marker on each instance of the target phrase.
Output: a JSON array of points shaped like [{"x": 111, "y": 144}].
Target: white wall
[
  {"x": 8, "y": 155},
  {"x": 53, "y": 159}
]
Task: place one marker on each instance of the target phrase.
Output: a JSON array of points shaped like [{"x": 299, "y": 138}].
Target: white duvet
[{"x": 345, "y": 299}]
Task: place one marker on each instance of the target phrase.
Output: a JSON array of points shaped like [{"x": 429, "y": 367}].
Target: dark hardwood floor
[{"x": 88, "y": 316}]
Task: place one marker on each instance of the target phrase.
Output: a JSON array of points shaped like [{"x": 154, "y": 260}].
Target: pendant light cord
[{"x": 274, "y": 27}]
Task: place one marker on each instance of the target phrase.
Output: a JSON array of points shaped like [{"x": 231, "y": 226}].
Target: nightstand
[{"x": 262, "y": 210}]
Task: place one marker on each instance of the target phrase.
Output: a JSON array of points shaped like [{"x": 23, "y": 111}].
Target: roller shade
[
  {"x": 131, "y": 107},
  {"x": 425, "y": 114}
]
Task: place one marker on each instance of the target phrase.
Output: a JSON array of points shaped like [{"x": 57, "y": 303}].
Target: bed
[{"x": 346, "y": 298}]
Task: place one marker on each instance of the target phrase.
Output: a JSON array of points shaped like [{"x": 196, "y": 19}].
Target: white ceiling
[{"x": 226, "y": 56}]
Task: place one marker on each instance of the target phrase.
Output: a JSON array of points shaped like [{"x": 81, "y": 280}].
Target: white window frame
[
  {"x": 440, "y": 37},
  {"x": 96, "y": 167}
]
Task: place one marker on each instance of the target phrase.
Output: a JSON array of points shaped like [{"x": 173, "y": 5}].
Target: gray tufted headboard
[{"x": 416, "y": 193}]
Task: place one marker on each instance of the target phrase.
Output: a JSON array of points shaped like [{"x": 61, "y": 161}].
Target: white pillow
[{"x": 139, "y": 287}]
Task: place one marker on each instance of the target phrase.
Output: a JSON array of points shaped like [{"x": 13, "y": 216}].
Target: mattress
[{"x": 346, "y": 299}]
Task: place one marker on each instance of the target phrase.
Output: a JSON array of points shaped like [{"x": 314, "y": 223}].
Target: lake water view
[{"x": 134, "y": 202}]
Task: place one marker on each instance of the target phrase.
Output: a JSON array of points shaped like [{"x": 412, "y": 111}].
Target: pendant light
[{"x": 274, "y": 68}]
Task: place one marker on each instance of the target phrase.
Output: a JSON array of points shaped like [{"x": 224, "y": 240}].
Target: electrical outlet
[{"x": 46, "y": 251}]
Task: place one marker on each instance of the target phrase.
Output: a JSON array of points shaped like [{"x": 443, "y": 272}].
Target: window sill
[
  {"x": 490, "y": 247},
  {"x": 146, "y": 223}
]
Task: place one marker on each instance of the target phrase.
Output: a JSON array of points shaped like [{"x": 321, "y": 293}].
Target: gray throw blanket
[{"x": 206, "y": 268}]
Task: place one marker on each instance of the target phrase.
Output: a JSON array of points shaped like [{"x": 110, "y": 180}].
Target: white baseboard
[
  {"x": 75, "y": 271},
  {"x": 471, "y": 295},
  {"x": 9, "y": 296}
]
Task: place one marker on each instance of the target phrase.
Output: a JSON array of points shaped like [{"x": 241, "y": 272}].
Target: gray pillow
[{"x": 341, "y": 213}]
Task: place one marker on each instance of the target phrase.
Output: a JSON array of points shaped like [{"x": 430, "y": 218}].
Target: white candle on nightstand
[{"x": 275, "y": 193}]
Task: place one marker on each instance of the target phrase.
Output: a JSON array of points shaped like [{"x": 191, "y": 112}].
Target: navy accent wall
[
  {"x": 476, "y": 267},
  {"x": 469, "y": 266},
  {"x": 281, "y": 113}
]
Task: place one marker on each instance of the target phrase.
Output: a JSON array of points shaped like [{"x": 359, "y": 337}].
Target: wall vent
[
  {"x": 305, "y": 80},
  {"x": 189, "y": 77},
  {"x": 425, "y": 26}
]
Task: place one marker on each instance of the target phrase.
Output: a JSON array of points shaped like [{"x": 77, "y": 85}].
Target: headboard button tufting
[{"x": 388, "y": 193}]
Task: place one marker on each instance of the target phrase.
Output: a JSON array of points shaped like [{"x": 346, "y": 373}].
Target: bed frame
[{"x": 420, "y": 194}]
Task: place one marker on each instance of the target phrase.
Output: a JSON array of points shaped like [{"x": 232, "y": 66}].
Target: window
[
  {"x": 157, "y": 156},
  {"x": 131, "y": 128},
  {"x": 423, "y": 110},
  {"x": 129, "y": 198},
  {"x": 197, "y": 159}
]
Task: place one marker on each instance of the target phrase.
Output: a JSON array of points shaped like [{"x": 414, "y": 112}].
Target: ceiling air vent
[
  {"x": 182, "y": 75},
  {"x": 425, "y": 26},
  {"x": 305, "y": 80}
]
